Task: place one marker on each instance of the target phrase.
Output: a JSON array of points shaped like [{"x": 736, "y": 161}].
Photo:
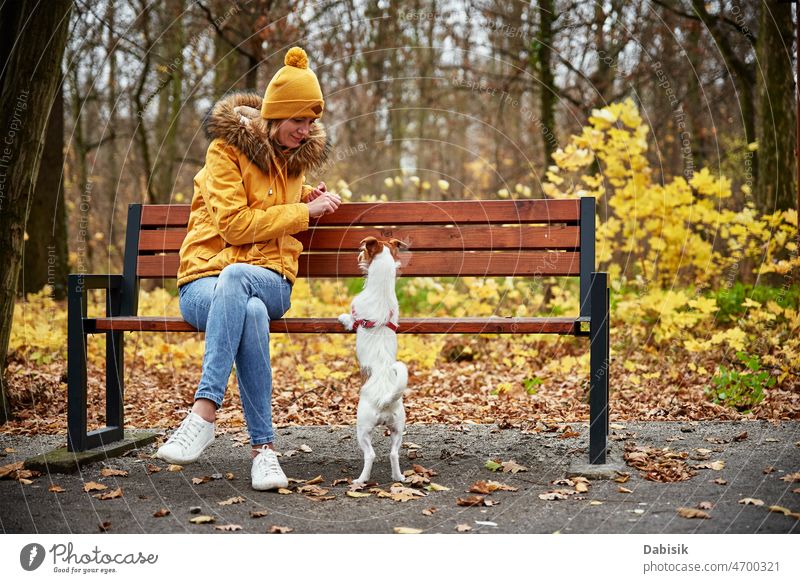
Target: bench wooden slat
[
  {"x": 331, "y": 325},
  {"x": 433, "y": 264},
  {"x": 431, "y": 238},
  {"x": 410, "y": 213}
]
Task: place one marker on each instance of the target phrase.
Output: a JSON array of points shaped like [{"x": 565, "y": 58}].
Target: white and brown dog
[{"x": 374, "y": 315}]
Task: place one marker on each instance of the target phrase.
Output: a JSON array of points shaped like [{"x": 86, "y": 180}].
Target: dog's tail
[{"x": 399, "y": 375}]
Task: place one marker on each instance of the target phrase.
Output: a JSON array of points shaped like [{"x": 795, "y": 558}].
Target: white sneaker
[
  {"x": 188, "y": 441},
  {"x": 266, "y": 473}
]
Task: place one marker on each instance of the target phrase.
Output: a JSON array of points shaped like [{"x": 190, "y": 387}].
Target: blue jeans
[{"x": 235, "y": 309}]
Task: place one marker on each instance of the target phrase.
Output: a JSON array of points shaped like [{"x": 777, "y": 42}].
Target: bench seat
[{"x": 496, "y": 325}]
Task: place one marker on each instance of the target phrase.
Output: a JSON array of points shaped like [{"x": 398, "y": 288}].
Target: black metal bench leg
[
  {"x": 598, "y": 383},
  {"x": 115, "y": 380},
  {"x": 76, "y": 366}
]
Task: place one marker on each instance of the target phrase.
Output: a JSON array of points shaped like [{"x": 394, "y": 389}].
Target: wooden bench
[{"x": 527, "y": 238}]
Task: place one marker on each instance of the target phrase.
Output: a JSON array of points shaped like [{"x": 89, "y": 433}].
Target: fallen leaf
[
  {"x": 341, "y": 481},
  {"x": 480, "y": 487},
  {"x": 315, "y": 480},
  {"x": 161, "y": 512},
  {"x": 424, "y": 471},
  {"x": 434, "y": 487},
  {"x": 228, "y": 527},
  {"x": 795, "y": 477},
  {"x": 622, "y": 477},
  {"x": 493, "y": 465},
  {"x": 275, "y": 529},
  {"x": 785, "y": 511},
  {"x": 555, "y": 495},
  {"x": 25, "y": 482},
  {"x": 720, "y": 481},
  {"x": 201, "y": 480},
  {"x": 616, "y": 427},
  {"x": 581, "y": 487},
  {"x": 485, "y": 523},
  {"x": 306, "y": 448},
  {"x": 233, "y": 500},
  {"x": 407, "y": 530},
  {"x": 104, "y": 526},
  {"x": 414, "y": 479},
  {"x": 751, "y": 502},
  {"x": 56, "y": 489},
  {"x": 741, "y": 437},
  {"x": 353, "y": 494},
  {"x": 202, "y": 519},
  {"x": 693, "y": 513},
  {"x": 108, "y": 472},
  {"x": 174, "y": 468},
  {"x": 513, "y": 467},
  {"x": 623, "y": 490},
  {"x": 595, "y": 503},
  {"x": 91, "y": 486},
  {"x": 768, "y": 470},
  {"x": 411, "y": 445},
  {"x": 463, "y": 527},
  {"x": 429, "y": 511},
  {"x": 111, "y": 494},
  {"x": 487, "y": 487},
  {"x": 470, "y": 501},
  {"x": 401, "y": 493},
  {"x": 229, "y": 476},
  {"x": 8, "y": 469},
  {"x": 152, "y": 469},
  {"x": 705, "y": 505},
  {"x": 284, "y": 491},
  {"x": 258, "y": 513}
]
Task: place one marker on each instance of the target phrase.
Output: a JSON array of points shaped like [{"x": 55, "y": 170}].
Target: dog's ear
[
  {"x": 371, "y": 246},
  {"x": 396, "y": 245}
]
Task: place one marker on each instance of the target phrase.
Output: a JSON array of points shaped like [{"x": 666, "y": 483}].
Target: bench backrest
[{"x": 446, "y": 238}]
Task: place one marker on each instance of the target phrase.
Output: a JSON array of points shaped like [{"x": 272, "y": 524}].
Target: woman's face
[{"x": 293, "y": 132}]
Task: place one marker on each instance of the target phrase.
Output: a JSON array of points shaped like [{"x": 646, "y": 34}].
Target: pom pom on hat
[
  {"x": 294, "y": 91},
  {"x": 296, "y": 57}
]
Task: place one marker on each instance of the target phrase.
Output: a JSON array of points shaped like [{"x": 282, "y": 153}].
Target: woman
[{"x": 239, "y": 259}]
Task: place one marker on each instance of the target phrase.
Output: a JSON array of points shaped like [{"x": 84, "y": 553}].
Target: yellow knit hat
[{"x": 294, "y": 90}]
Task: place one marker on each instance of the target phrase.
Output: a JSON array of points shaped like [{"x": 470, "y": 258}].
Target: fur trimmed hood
[{"x": 236, "y": 119}]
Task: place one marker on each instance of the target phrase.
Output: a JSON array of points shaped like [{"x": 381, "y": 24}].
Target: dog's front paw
[
  {"x": 399, "y": 478},
  {"x": 347, "y": 321}
]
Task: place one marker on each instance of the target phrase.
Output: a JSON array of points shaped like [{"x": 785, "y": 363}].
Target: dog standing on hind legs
[{"x": 374, "y": 315}]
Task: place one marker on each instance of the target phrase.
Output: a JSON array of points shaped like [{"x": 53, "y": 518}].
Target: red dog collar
[{"x": 371, "y": 324}]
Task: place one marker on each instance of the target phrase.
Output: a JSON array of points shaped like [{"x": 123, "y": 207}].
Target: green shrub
[{"x": 741, "y": 390}]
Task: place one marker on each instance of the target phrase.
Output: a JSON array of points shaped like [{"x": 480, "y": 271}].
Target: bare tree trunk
[
  {"x": 33, "y": 35},
  {"x": 776, "y": 128},
  {"x": 45, "y": 256},
  {"x": 547, "y": 88},
  {"x": 169, "y": 101}
]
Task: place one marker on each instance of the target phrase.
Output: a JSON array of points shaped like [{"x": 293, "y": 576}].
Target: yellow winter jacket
[{"x": 248, "y": 198}]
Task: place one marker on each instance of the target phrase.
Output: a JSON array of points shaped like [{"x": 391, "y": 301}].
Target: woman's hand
[
  {"x": 323, "y": 204},
  {"x": 317, "y": 192}
]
